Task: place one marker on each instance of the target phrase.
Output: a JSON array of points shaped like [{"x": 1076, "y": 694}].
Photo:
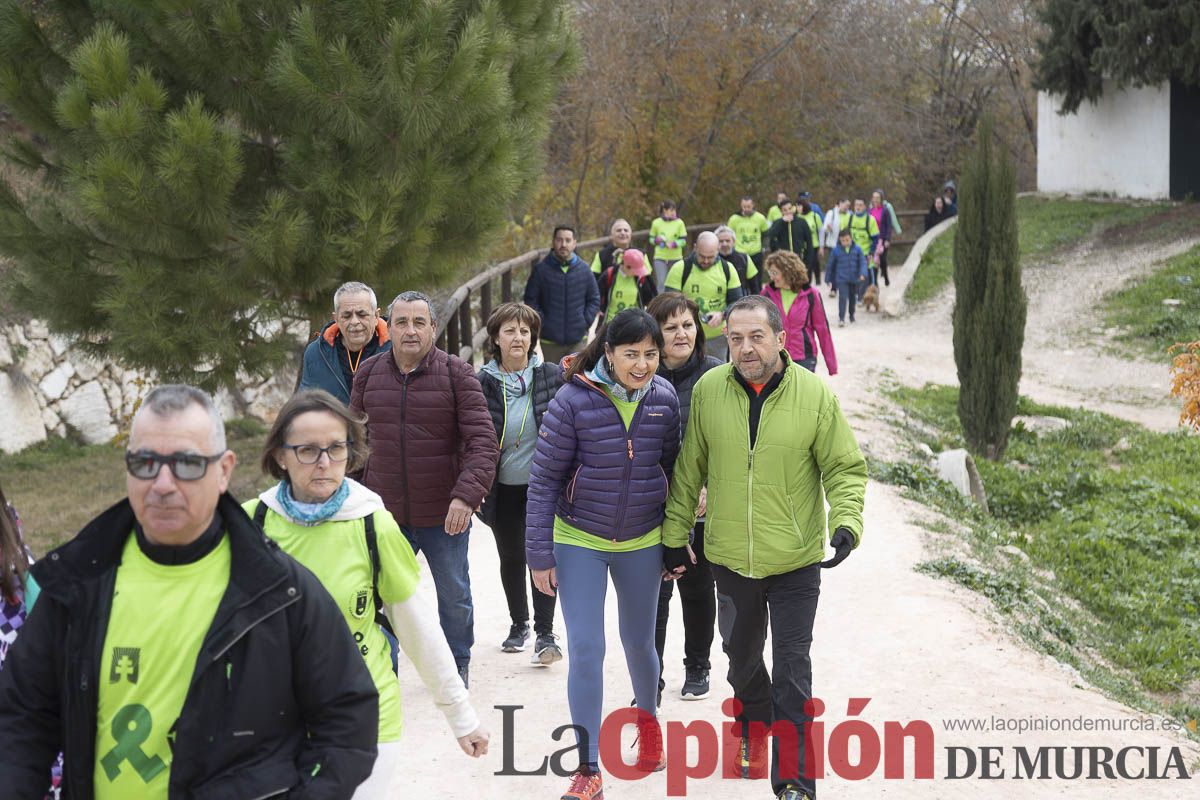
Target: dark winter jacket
[
  {"x": 323, "y": 359},
  {"x": 430, "y": 434},
  {"x": 547, "y": 378},
  {"x": 301, "y": 689},
  {"x": 567, "y": 301},
  {"x": 683, "y": 379},
  {"x": 845, "y": 266},
  {"x": 934, "y": 217},
  {"x": 799, "y": 242},
  {"x": 595, "y": 474}
]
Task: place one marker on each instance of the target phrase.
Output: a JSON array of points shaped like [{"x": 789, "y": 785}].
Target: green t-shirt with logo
[
  {"x": 160, "y": 615},
  {"x": 566, "y": 533},
  {"x": 336, "y": 552},
  {"x": 813, "y": 220},
  {"x": 674, "y": 232},
  {"x": 774, "y": 213},
  {"x": 707, "y": 287},
  {"x": 623, "y": 294},
  {"x": 862, "y": 228},
  {"x": 749, "y": 231}
]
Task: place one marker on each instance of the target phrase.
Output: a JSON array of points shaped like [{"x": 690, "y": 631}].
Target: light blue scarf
[
  {"x": 310, "y": 513},
  {"x": 599, "y": 374}
]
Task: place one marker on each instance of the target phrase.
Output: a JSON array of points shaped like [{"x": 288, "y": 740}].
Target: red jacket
[
  {"x": 430, "y": 433},
  {"x": 805, "y": 324}
]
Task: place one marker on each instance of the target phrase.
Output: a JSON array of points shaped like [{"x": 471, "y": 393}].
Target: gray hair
[
  {"x": 724, "y": 229},
  {"x": 412, "y": 297},
  {"x": 354, "y": 287},
  {"x": 175, "y": 398},
  {"x": 614, "y": 224},
  {"x": 758, "y": 302}
]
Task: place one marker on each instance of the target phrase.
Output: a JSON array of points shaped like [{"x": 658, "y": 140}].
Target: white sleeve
[{"x": 423, "y": 642}]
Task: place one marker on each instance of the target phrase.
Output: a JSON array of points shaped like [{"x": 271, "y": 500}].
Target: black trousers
[
  {"x": 509, "y": 531},
  {"x": 883, "y": 267},
  {"x": 814, "y": 266},
  {"x": 699, "y": 602},
  {"x": 789, "y": 603}
]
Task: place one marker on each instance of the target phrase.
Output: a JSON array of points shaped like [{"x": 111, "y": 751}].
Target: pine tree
[
  {"x": 989, "y": 304},
  {"x": 1133, "y": 44},
  {"x": 206, "y": 171}
]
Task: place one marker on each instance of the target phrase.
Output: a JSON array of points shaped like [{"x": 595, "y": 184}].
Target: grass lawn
[
  {"x": 1107, "y": 515},
  {"x": 1146, "y": 324},
  {"x": 1044, "y": 226},
  {"x": 58, "y": 486}
]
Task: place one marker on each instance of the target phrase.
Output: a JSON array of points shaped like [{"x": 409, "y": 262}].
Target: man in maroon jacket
[{"x": 433, "y": 454}]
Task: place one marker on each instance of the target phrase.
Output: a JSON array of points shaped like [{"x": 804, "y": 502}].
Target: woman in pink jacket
[{"x": 804, "y": 319}]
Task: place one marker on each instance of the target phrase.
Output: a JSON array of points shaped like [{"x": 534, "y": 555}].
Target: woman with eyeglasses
[
  {"x": 518, "y": 387},
  {"x": 339, "y": 529}
]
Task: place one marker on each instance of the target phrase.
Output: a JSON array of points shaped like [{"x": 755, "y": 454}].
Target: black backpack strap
[
  {"x": 260, "y": 514},
  {"x": 687, "y": 270},
  {"x": 373, "y": 549}
]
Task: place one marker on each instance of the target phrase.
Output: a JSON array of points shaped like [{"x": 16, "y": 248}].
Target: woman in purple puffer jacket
[{"x": 599, "y": 479}]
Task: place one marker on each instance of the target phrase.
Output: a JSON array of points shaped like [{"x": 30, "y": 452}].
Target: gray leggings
[{"x": 582, "y": 576}]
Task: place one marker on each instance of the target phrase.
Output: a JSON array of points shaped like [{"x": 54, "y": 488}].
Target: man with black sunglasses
[{"x": 175, "y": 651}]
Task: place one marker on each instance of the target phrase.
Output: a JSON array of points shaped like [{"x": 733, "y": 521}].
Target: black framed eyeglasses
[
  {"x": 311, "y": 454},
  {"x": 145, "y": 464}
]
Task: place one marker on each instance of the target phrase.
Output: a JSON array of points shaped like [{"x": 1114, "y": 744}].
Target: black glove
[
  {"x": 842, "y": 543},
  {"x": 675, "y": 557}
]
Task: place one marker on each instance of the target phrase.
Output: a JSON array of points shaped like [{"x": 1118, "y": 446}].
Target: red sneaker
[
  {"x": 650, "y": 757},
  {"x": 585, "y": 785}
]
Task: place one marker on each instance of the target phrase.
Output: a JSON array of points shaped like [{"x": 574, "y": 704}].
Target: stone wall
[{"x": 50, "y": 388}]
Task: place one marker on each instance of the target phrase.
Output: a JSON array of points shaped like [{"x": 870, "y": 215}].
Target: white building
[{"x": 1142, "y": 143}]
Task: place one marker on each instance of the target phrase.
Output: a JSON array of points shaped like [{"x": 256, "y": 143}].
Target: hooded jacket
[
  {"x": 805, "y": 324},
  {"x": 766, "y": 501},
  {"x": 567, "y": 301},
  {"x": 301, "y": 687},
  {"x": 845, "y": 266},
  {"x": 431, "y": 437},
  {"x": 546, "y": 380},
  {"x": 321, "y": 368},
  {"x": 596, "y": 475}
]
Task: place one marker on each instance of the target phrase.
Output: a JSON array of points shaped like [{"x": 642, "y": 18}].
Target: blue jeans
[
  {"x": 847, "y": 294},
  {"x": 447, "y": 557}
]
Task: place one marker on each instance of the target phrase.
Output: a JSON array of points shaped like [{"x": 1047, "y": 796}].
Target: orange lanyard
[{"x": 354, "y": 364}]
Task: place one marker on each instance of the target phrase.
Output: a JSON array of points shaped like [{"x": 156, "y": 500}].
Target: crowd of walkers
[{"x": 648, "y": 419}]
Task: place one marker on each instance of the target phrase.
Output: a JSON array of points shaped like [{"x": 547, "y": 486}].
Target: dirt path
[{"x": 920, "y": 648}]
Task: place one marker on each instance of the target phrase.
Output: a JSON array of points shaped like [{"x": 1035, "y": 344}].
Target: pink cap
[{"x": 636, "y": 262}]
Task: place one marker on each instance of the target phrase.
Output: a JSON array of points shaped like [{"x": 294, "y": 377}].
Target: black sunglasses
[{"x": 145, "y": 464}]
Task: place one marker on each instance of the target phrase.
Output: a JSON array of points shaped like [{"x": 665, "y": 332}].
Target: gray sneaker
[
  {"x": 695, "y": 684},
  {"x": 546, "y": 650},
  {"x": 518, "y": 636}
]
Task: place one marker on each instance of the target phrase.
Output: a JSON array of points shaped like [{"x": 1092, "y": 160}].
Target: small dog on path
[{"x": 870, "y": 300}]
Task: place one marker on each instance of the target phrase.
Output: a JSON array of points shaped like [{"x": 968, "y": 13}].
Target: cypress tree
[
  {"x": 203, "y": 173},
  {"x": 989, "y": 304}
]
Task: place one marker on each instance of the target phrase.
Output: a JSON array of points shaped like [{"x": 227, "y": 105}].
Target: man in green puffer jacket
[{"x": 770, "y": 441}]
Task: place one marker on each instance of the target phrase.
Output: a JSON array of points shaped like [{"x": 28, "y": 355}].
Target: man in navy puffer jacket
[{"x": 563, "y": 291}]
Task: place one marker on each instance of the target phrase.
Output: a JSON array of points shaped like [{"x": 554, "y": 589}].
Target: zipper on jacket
[
  {"x": 403, "y": 458},
  {"x": 750, "y": 502},
  {"x": 637, "y": 418}
]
